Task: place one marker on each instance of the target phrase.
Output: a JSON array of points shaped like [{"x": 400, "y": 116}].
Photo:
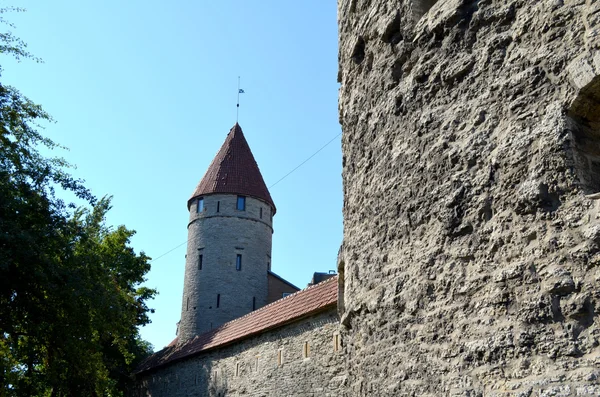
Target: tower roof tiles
[{"x": 234, "y": 171}]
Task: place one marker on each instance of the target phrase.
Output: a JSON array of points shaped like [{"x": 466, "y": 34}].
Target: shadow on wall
[
  {"x": 217, "y": 384},
  {"x": 583, "y": 120}
]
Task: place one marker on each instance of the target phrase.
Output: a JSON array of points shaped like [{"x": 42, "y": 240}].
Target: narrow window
[
  {"x": 218, "y": 300},
  {"x": 336, "y": 342},
  {"x": 187, "y": 304},
  {"x": 218, "y": 205},
  {"x": 279, "y": 357},
  {"x": 260, "y": 212},
  {"x": 241, "y": 203},
  {"x": 237, "y": 369},
  {"x": 200, "y": 262},
  {"x": 306, "y": 350},
  {"x": 256, "y": 363},
  {"x": 253, "y": 303},
  {"x": 200, "y": 205},
  {"x": 238, "y": 262}
]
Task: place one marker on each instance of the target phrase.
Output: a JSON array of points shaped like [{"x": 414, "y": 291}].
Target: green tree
[{"x": 70, "y": 295}]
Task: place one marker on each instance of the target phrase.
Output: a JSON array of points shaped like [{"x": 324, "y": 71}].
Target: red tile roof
[
  {"x": 234, "y": 170},
  {"x": 309, "y": 301}
]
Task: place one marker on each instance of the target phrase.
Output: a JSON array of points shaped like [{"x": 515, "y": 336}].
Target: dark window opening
[
  {"x": 238, "y": 262},
  {"x": 260, "y": 212},
  {"x": 200, "y": 205},
  {"x": 218, "y": 300},
  {"x": 241, "y": 203},
  {"x": 583, "y": 121},
  {"x": 253, "y": 303},
  {"x": 199, "y": 262},
  {"x": 187, "y": 304},
  {"x": 218, "y": 205}
]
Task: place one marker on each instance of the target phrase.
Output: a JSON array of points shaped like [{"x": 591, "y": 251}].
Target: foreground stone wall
[
  {"x": 471, "y": 171},
  {"x": 275, "y": 363}
]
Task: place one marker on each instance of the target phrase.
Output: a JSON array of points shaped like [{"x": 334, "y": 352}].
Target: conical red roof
[{"x": 234, "y": 171}]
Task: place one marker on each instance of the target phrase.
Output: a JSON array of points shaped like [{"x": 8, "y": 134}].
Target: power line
[
  {"x": 304, "y": 162},
  {"x": 279, "y": 180}
]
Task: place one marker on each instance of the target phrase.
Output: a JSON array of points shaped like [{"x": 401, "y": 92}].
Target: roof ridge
[
  {"x": 309, "y": 287},
  {"x": 309, "y": 301}
]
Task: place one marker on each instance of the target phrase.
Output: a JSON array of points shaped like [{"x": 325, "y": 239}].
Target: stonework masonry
[
  {"x": 275, "y": 363},
  {"x": 218, "y": 292},
  {"x": 471, "y": 144}
]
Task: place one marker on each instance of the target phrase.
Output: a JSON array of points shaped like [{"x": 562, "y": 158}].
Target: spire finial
[{"x": 240, "y": 91}]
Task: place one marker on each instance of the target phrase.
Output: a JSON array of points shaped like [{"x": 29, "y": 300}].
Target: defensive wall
[{"x": 471, "y": 183}]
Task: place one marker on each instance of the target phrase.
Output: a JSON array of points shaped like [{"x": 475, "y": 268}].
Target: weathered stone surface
[
  {"x": 274, "y": 363},
  {"x": 471, "y": 167}
]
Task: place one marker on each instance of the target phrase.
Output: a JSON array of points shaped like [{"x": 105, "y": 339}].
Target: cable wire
[{"x": 279, "y": 180}]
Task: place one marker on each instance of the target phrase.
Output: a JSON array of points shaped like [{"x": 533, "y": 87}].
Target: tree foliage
[{"x": 70, "y": 295}]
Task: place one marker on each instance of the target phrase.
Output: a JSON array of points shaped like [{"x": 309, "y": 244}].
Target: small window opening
[
  {"x": 238, "y": 262},
  {"x": 200, "y": 205},
  {"x": 218, "y": 300},
  {"x": 237, "y": 369},
  {"x": 200, "y": 262},
  {"x": 279, "y": 357},
  {"x": 253, "y": 303},
  {"x": 241, "y": 203},
  {"x": 260, "y": 212},
  {"x": 306, "y": 350},
  {"x": 187, "y": 304},
  {"x": 336, "y": 342},
  {"x": 256, "y": 363},
  {"x": 218, "y": 206}
]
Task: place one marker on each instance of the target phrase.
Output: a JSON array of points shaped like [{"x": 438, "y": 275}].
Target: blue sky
[{"x": 144, "y": 93}]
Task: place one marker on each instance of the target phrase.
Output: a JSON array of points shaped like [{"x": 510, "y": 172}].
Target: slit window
[
  {"x": 241, "y": 203},
  {"x": 253, "y": 303},
  {"x": 237, "y": 369},
  {"x": 306, "y": 350},
  {"x": 200, "y": 262},
  {"x": 200, "y": 205},
  {"x": 218, "y": 300},
  {"x": 260, "y": 212},
  {"x": 280, "y": 357},
  {"x": 218, "y": 206},
  {"x": 238, "y": 262},
  {"x": 336, "y": 342}
]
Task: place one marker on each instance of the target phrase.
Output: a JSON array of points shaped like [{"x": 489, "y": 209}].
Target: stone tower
[{"x": 229, "y": 241}]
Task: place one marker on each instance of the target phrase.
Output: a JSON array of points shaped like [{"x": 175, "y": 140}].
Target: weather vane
[{"x": 240, "y": 91}]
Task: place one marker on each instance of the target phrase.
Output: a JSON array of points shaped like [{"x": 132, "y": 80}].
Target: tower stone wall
[
  {"x": 220, "y": 237},
  {"x": 471, "y": 245}
]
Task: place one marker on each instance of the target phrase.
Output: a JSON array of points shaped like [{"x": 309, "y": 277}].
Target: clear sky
[{"x": 144, "y": 92}]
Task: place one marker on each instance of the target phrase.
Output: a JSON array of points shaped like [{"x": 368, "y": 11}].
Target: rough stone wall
[
  {"x": 471, "y": 230},
  {"x": 219, "y": 237},
  {"x": 251, "y": 367}
]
